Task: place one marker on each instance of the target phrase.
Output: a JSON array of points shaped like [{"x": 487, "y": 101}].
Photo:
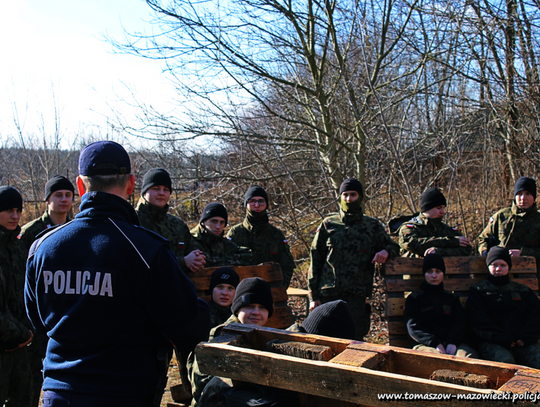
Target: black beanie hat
[
  {"x": 352, "y": 184},
  {"x": 499, "y": 253},
  {"x": 525, "y": 184},
  {"x": 433, "y": 261},
  {"x": 224, "y": 275},
  {"x": 431, "y": 198},
  {"x": 57, "y": 183},
  {"x": 10, "y": 198},
  {"x": 255, "y": 190},
  {"x": 214, "y": 209},
  {"x": 333, "y": 319},
  {"x": 155, "y": 177},
  {"x": 253, "y": 290}
]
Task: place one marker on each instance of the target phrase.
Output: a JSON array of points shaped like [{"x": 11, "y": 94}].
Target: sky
[{"x": 54, "y": 54}]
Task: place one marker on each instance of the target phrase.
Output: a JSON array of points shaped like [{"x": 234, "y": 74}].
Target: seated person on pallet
[
  {"x": 504, "y": 315},
  {"x": 152, "y": 209},
  {"x": 516, "y": 228},
  {"x": 434, "y": 317},
  {"x": 209, "y": 234},
  {"x": 426, "y": 233},
  {"x": 223, "y": 283},
  {"x": 344, "y": 251},
  {"x": 333, "y": 319},
  {"x": 253, "y": 304}
]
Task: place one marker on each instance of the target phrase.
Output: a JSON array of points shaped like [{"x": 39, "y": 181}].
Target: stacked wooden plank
[{"x": 404, "y": 275}]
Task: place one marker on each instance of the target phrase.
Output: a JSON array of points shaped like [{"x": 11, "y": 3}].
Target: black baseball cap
[{"x": 104, "y": 158}]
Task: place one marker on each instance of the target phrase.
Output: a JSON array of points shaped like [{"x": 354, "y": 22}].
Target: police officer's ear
[
  {"x": 80, "y": 186},
  {"x": 131, "y": 184}
]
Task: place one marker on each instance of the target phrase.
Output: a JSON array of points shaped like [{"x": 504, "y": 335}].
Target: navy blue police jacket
[{"x": 111, "y": 297}]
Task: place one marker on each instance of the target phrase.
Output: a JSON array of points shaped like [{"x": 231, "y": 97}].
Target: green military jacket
[
  {"x": 199, "y": 380},
  {"x": 420, "y": 233},
  {"x": 218, "y": 314},
  {"x": 341, "y": 255},
  {"x": 267, "y": 243},
  {"x": 219, "y": 250},
  {"x": 35, "y": 227},
  {"x": 170, "y": 227},
  {"x": 514, "y": 230},
  {"x": 14, "y": 324}
]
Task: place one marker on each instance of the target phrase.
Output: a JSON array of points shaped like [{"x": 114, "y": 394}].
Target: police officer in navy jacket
[{"x": 110, "y": 295}]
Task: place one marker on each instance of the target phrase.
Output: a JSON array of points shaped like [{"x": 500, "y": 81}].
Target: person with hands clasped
[
  {"x": 427, "y": 233},
  {"x": 344, "y": 252},
  {"x": 152, "y": 209},
  {"x": 504, "y": 315},
  {"x": 434, "y": 317}
]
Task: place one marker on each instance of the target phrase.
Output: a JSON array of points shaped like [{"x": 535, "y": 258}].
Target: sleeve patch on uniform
[
  {"x": 410, "y": 225},
  {"x": 491, "y": 220},
  {"x": 286, "y": 241}
]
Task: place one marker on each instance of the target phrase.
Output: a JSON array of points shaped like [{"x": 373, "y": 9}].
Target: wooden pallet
[
  {"x": 404, "y": 275},
  {"x": 270, "y": 272},
  {"x": 353, "y": 373}
]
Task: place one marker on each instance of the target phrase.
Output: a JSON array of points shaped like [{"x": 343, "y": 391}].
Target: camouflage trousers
[
  {"x": 463, "y": 350},
  {"x": 361, "y": 312},
  {"x": 526, "y": 355},
  {"x": 15, "y": 378}
]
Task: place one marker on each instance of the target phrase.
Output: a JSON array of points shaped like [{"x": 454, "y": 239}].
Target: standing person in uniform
[
  {"x": 343, "y": 256},
  {"x": 266, "y": 241},
  {"x": 152, "y": 209},
  {"x": 110, "y": 295},
  {"x": 59, "y": 196},
  {"x": 516, "y": 228},
  {"x": 434, "y": 317},
  {"x": 504, "y": 315},
  {"x": 217, "y": 249},
  {"x": 15, "y": 333},
  {"x": 426, "y": 233}
]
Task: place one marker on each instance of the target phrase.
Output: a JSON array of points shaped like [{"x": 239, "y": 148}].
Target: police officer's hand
[
  {"x": 440, "y": 348},
  {"x": 195, "y": 260},
  {"x": 451, "y": 349},
  {"x": 20, "y": 345},
  {"x": 380, "y": 257},
  {"x": 463, "y": 241},
  {"x": 314, "y": 304},
  {"x": 515, "y": 252}
]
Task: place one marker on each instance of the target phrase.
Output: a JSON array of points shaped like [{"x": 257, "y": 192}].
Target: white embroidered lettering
[
  {"x": 94, "y": 289},
  {"x": 59, "y": 282},
  {"x": 86, "y": 277},
  {"x": 69, "y": 290},
  {"x": 47, "y": 279},
  {"x": 106, "y": 287}
]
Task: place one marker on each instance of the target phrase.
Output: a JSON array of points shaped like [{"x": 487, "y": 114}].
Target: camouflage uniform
[
  {"x": 500, "y": 315},
  {"x": 39, "y": 342},
  {"x": 341, "y": 262},
  {"x": 219, "y": 250},
  {"x": 170, "y": 227},
  {"x": 200, "y": 381},
  {"x": 420, "y": 233},
  {"x": 15, "y": 374},
  {"x": 514, "y": 229},
  {"x": 267, "y": 243},
  {"x": 218, "y": 314},
  {"x": 35, "y": 227}
]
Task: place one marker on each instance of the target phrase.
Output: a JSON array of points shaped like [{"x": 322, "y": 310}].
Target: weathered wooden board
[{"x": 335, "y": 381}]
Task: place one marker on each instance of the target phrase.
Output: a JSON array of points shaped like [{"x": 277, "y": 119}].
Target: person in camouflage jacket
[
  {"x": 343, "y": 256},
  {"x": 218, "y": 250},
  {"x": 59, "y": 195},
  {"x": 152, "y": 209},
  {"x": 267, "y": 242},
  {"x": 516, "y": 228},
  {"x": 426, "y": 233},
  {"x": 15, "y": 327}
]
